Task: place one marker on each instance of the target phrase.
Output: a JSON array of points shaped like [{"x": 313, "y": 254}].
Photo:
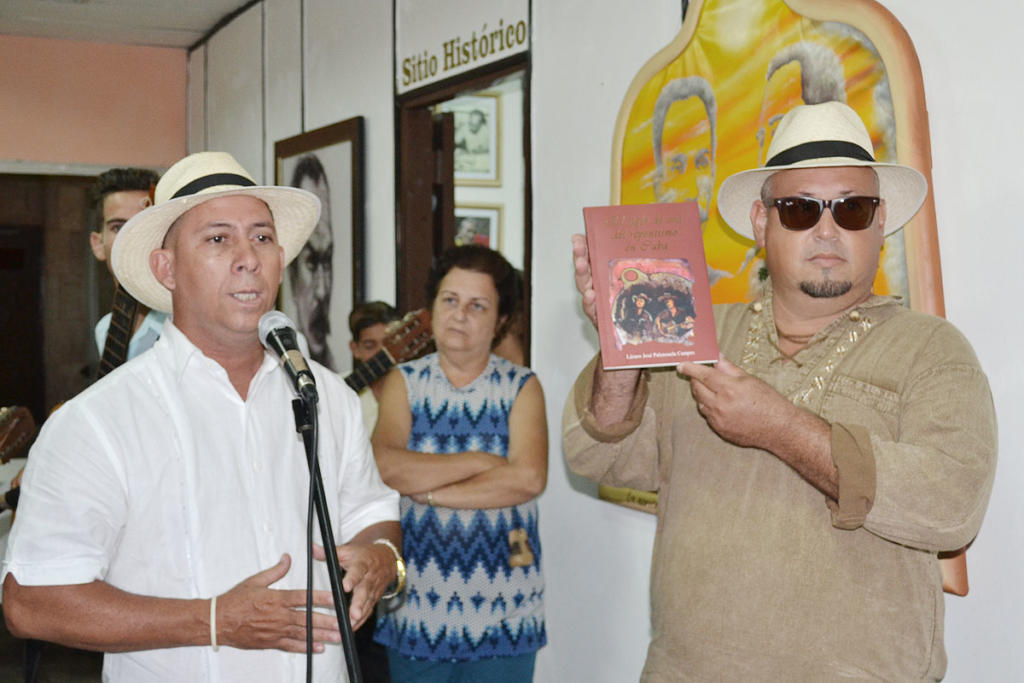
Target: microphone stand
[{"x": 305, "y": 424}]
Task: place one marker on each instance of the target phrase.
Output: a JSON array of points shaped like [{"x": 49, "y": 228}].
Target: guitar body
[{"x": 17, "y": 431}]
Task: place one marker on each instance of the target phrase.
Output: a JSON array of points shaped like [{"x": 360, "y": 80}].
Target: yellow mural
[{"x": 712, "y": 111}]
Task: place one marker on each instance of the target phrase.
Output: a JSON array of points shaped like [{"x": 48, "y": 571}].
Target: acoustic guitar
[
  {"x": 407, "y": 339},
  {"x": 119, "y": 334},
  {"x": 17, "y": 431}
]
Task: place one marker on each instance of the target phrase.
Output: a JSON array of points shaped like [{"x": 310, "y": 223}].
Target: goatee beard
[{"x": 825, "y": 289}]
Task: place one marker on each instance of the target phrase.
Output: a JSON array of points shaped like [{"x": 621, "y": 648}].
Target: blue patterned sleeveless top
[{"x": 463, "y": 600}]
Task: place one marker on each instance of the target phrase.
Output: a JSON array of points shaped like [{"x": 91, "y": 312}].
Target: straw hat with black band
[
  {"x": 825, "y": 135},
  {"x": 196, "y": 179}
]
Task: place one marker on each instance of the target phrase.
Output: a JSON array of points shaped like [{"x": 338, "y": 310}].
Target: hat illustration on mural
[
  {"x": 196, "y": 179},
  {"x": 823, "y": 135}
]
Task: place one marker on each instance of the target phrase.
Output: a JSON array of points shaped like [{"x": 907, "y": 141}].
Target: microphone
[{"x": 277, "y": 332}]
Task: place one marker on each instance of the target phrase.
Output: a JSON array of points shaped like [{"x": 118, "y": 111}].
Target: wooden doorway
[
  {"x": 21, "y": 344},
  {"x": 431, "y": 190},
  {"x": 62, "y": 290}
]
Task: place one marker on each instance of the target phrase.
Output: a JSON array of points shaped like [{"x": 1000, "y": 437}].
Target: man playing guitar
[
  {"x": 130, "y": 328},
  {"x": 675, "y": 321}
]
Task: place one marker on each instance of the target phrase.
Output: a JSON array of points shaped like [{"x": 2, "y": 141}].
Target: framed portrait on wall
[
  {"x": 477, "y": 138},
  {"x": 478, "y": 224},
  {"x": 326, "y": 279}
]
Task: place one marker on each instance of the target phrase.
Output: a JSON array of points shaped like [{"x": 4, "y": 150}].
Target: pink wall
[{"x": 73, "y": 102}]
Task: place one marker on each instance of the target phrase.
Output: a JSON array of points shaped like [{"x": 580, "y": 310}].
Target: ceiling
[{"x": 165, "y": 23}]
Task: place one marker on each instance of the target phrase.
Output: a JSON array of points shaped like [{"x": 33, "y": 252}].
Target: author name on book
[{"x": 651, "y": 355}]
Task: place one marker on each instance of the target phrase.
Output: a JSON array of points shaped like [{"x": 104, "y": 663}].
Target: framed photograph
[
  {"x": 478, "y": 224},
  {"x": 477, "y": 138},
  {"x": 326, "y": 279}
]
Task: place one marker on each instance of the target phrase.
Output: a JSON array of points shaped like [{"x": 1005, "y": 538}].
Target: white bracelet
[{"x": 213, "y": 623}]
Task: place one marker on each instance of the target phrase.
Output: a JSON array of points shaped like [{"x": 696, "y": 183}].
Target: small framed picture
[
  {"x": 478, "y": 224},
  {"x": 477, "y": 138}
]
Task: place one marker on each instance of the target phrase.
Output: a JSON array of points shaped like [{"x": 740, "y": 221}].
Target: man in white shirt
[{"x": 163, "y": 514}]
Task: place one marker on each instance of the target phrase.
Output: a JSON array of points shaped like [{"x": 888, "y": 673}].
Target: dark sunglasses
[{"x": 850, "y": 213}]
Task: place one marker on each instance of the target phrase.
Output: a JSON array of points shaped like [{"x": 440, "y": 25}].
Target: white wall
[
  {"x": 597, "y": 556},
  {"x": 283, "y": 89},
  {"x": 585, "y": 52},
  {"x": 234, "y": 94},
  {"x": 349, "y": 73},
  {"x": 255, "y": 94}
]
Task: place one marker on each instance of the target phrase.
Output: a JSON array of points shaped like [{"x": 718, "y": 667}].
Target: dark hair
[
  {"x": 507, "y": 280},
  {"x": 368, "y": 314},
  {"x": 118, "y": 180},
  {"x": 309, "y": 166}
]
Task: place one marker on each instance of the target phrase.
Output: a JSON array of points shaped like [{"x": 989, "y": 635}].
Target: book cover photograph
[{"x": 653, "y": 296}]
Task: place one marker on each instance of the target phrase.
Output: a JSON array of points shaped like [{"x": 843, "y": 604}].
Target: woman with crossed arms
[{"x": 462, "y": 435}]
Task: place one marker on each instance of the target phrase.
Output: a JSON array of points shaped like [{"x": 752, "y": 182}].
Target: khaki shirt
[{"x": 756, "y": 575}]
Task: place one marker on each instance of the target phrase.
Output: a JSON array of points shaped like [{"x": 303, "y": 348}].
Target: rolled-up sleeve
[
  {"x": 622, "y": 454},
  {"x": 72, "y": 506},
  {"x": 934, "y": 479}
]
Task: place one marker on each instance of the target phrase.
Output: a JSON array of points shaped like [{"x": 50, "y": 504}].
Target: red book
[{"x": 653, "y": 297}]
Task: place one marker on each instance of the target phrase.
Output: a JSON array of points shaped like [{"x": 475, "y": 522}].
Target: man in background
[
  {"x": 310, "y": 275},
  {"x": 119, "y": 194},
  {"x": 368, "y": 324}
]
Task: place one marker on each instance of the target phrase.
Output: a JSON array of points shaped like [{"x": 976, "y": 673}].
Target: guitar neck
[
  {"x": 368, "y": 372},
  {"x": 407, "y": 339},
  {"x": 119, "y": 334}
]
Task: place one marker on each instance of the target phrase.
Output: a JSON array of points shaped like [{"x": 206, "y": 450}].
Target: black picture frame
[{"x": 338, "y": 150}]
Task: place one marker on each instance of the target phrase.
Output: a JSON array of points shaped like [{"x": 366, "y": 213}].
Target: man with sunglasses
[{"x": 808, "y": 480}]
